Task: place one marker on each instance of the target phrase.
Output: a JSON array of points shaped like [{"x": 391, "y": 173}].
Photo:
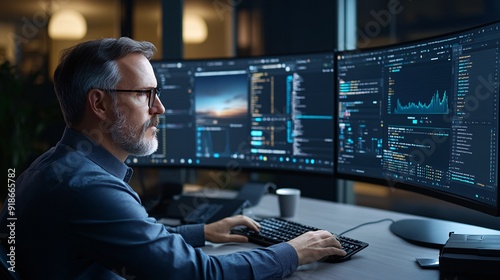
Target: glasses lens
[{"x": 152, "y": 96}]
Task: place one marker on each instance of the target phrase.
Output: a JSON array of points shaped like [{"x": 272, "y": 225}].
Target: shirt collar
[{"x": 97, "y": 154}]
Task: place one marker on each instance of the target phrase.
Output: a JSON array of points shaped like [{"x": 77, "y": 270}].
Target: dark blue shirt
[{"x": 77, "y": 218}]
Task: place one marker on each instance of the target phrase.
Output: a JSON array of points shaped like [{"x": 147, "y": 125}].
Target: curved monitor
[
  {"x": 423, "y": 116},
  {"x": 264, "y": 113}
]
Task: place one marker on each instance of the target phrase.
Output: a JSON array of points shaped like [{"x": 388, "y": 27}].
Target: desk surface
[{"x": 386, "y": 257}]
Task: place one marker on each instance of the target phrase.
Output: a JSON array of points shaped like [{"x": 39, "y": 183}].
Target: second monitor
[{"x": 423, "y": 116}]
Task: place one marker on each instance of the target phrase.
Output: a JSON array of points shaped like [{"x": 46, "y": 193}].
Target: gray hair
[{"x": 91, "y": 65}]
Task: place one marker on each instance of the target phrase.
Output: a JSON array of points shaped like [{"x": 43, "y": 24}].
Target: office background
[{"x": 32, "y": 122}]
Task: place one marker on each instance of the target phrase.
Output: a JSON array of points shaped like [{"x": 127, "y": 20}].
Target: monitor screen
[
  {"x": 273, "y": 113},
  {"x": 424, "y": 116}
]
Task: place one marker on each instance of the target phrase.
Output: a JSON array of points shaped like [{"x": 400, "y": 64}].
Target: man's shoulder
[{"x": 66, "y": 165}]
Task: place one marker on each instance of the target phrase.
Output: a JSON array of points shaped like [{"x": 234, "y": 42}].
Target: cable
[{"x": 368, "y": 223}]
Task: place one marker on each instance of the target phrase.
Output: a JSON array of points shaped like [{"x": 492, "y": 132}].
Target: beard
[{"x": 132, "y": 141}]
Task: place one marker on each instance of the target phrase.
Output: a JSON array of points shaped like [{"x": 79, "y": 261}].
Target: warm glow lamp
[
  {"x": 67, "y": 25},
  {"x": 194, "y": 29}
]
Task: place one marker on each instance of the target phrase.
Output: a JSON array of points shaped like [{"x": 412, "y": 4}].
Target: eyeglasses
[{"x": 151, "y": 93}]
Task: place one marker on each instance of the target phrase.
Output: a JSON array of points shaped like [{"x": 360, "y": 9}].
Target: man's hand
[
  {"x": 315, "y": 245},
  {"x": 219, "y": 231}
]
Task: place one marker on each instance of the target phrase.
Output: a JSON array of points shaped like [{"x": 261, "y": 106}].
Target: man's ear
[{"x": 99, "y": 103}]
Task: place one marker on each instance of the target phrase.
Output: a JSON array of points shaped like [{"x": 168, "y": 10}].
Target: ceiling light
[
  {"x": 67, "y": 25},
  {"x": 194, "y": 29}
]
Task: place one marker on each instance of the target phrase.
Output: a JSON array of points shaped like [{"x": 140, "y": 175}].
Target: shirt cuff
[
  {"x": 194, "y": 235},
  {"x": 287, "y": 256}
]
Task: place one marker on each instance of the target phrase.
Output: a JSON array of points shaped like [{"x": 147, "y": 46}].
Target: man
[{"x": 78, "y": 218}]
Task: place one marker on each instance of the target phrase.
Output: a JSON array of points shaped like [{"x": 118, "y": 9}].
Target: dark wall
[
  {"x": 299, "y": 26},
  {"x": 292, "y": 26}
]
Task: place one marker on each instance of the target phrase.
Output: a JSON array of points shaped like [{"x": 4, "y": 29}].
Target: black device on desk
[
  {"x": 473, "y": 255},
  {"x": 275, "y": 230},
  {"x": 200, "y": 209}
]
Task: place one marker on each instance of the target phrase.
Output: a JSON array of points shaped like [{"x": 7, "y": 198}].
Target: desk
[{"x": 386, "y": 257}]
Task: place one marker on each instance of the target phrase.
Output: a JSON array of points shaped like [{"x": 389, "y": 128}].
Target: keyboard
[{"x": 276, "y": 230}]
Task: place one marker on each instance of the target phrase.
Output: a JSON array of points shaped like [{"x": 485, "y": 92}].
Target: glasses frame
[{"x": 150, "y": 92}]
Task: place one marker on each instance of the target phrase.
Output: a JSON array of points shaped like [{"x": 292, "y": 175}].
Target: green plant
[{"x": 24, "y": 115}]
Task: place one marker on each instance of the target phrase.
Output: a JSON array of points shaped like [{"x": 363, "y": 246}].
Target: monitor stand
[{"x": 433, "y": 233}]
